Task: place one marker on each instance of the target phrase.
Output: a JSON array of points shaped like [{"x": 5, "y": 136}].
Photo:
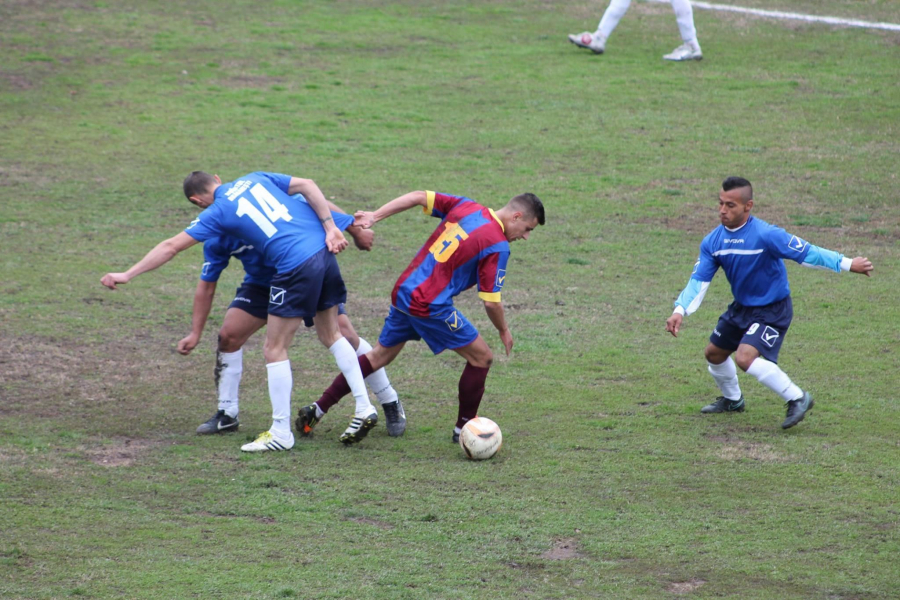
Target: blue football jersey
[
  {"x": 752, "y": 257},
  {"x": 257, "y": 209},
  {"x": 217, "y": 252}
]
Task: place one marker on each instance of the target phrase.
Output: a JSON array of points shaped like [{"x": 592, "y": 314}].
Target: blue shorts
[
  {"x": 313, "y": 286},
  {"x": 252, "y": 299},
  {"x": 762, "y": 327},
  {"x": 310, "y": 322},
  {"x": 448, "y": 330}
]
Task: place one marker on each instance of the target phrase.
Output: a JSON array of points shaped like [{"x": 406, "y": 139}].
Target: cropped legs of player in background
[{"x": 684, "y": 15}]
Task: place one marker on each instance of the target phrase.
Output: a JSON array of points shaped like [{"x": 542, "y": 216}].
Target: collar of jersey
[
  {"x": 736, "y": 228},
  {"x": 493, "y": 214}
]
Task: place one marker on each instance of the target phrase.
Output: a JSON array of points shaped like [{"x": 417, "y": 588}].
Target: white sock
[
  {"x": 346, "y": 360},
  {"x": 775, "y": 379},
  {"x": 684, "y": 15},
  {"x": 725, "y": 375},
  {"x": 378, "y": 380},
  {"x": 229, "y": 367},
  {"x": 281, "y": 382},
  {"x": 614, "y": 13}
]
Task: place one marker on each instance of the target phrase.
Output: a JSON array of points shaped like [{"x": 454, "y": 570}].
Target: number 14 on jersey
[{"x": 273, "y": 209}]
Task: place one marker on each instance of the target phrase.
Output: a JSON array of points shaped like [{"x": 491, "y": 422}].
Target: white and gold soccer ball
[{"x": 480, "y": 438}]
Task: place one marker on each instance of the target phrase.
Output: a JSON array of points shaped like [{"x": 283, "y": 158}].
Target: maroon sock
[
  {"x": 340, "y": 388},
  {"x": 471, "y": 389}
]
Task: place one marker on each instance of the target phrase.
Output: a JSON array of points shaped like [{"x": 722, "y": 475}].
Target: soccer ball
[{"x": 480, "y": 438}]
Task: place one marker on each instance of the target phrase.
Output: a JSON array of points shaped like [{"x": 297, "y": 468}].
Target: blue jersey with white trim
[
  {"x": 257, "y": 208},
  {"x": 752, "y": 257},
  {"x": 217, "y": 252}
]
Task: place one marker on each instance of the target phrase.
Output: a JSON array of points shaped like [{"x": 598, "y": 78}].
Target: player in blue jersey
[
  {"x": 247, "y": 314},
  {"x": 297, "y": 238},
  {"x": 752, "y": 253}
]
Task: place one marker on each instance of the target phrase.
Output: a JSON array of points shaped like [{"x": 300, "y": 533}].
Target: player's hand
[
  {"x": 506, "y": 338},
  {"x": 188, "y": 343},
  {"x": 111, "y": 279},
  {"x": 673, "y": 324},
  {"x": 862, "y": 265},
  {"x": 335, "y": 240},
  {"x": 363, "y": 238},
  {"x": 364, "y": 219}
]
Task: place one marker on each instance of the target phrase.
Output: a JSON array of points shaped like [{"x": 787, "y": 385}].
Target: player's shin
[
  {"x": 725, "y": 375},
  {"x": 281, "y": 382},
  {"x": 350, "y": 367},
  {"x": 378, "y": 380},
  {"x": 229, "y": 367},
  {"x": 471, "y": 390},
  {"x": 770, "y": 375}
]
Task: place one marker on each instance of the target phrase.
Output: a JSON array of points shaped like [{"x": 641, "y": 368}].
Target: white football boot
[
  {"x": 267, "y": 441},
  {"x": 685, "y": 52},
  {"x": 588, "y": 40}
]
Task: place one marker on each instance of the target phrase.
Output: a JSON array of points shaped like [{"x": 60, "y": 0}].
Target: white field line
[{"x": 776, "y": 14}]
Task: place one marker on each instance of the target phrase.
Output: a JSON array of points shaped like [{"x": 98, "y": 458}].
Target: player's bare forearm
[
  {"x": 315, "y": 198},
  {"x": 497, "y": 316},
  {"x": 160, "y": 255},
  {"x": 405, "y": 202},
  {"x": 203, "y": 298}
]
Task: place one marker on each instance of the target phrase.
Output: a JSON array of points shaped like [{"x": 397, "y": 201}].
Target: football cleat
[
  {"x": 455, "y": 438},
  {"x": 395, "y": 418},
  {"x": 797, "y": 409},
  {"x": 267, "y": 441},
  {"x": 588, "y": 40},
  {"x": 684, "y": 52},
  {"x": 723, "y": 404},
  {"x": 306, "y": 420},
  {"x": 219, "y": 423},
  {"x": 359, "y": 428}
]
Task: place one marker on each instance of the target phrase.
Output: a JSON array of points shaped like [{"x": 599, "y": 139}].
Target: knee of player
[
  {"x": 744, "y": 359},
  {"x": 228, "y": 341}
]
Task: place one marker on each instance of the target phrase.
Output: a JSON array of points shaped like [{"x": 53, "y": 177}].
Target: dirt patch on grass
[
  {"x": 562, "y": 549},
  {"x": 373, "y": 522},
  {"x": 753, "y": 451},
  {"x": 685, "y": 587},
  {"x": 120, "y": 453}
]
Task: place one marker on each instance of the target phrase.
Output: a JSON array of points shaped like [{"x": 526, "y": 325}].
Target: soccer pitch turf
[{"x": 610, "y": 483}]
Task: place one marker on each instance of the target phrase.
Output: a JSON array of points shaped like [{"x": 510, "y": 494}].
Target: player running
[
  {"x": 299, "y": 239},
  {"x": 247, "y": 314},
  {"x": 470, "y": 246},
  {"x": 752, "y": 253}
]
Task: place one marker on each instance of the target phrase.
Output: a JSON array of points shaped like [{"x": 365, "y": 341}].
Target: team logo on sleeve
[
  {"x": 194, "y": 222},
  {"x": 797, "y": 244},
  {"x": 501, "y": 277},
  {"x": 205, "y": 269},
  {"x": 276, "y": 295},
  {"x": 770, "y": 336}
]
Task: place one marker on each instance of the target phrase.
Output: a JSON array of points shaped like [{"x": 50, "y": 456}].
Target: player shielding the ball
[{"x": 752, "y": 253}]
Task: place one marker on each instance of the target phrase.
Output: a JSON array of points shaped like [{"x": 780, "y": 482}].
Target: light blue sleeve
[
  {"x": 691, "y": 293},
  {"x": 820, "y": 258}
]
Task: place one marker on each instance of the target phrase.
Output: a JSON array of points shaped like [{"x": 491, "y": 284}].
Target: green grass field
[{"x": 610, "y": 482}]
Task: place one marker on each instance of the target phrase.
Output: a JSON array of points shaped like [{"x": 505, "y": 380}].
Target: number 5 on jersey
[
  {"x": 273, "y": 209},
  {"x": 444, "y": 247}
]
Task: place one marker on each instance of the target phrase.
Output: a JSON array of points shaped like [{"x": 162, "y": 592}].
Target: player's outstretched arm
[
  {"x": 498, "y": 318},
  {"x": 160, "y": 255},
  {"x": 367, "y": 219},
  {"x": 203, "y": 299},
  {"x": 862, "y": 266},
  {"x": 334, "y": 237}
]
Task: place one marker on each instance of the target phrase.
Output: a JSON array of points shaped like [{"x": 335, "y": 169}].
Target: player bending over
[
  {"x": 752, "y": 253},
  {"x": 299, "y": 239},
  {"x": 469, "y": 247},
  {"x": 247, "y": 314}
]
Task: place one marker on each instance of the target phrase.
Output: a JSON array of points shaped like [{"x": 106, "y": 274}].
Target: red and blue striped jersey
[{"x": 468, "y": 247}]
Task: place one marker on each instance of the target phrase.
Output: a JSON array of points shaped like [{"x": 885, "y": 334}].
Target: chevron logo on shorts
[
  {"x": 454, "y": 322},
  {"x": 276, "y": 295}
]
